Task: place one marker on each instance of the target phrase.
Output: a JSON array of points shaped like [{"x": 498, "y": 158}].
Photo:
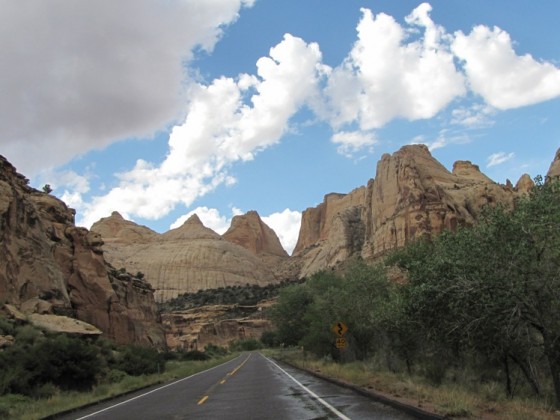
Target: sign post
[{"x": 340, "y": 329}]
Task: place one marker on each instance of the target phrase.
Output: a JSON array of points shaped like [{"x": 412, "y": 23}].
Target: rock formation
[
  {"x": 412, "y": 195},
  {"x": 51, "y": 265},
  {"x": 554, "y": 170},
  {"x": 194, "y": 329},
  {"x": 191, "y": 257},
  {"x": 253, "y": 234}
]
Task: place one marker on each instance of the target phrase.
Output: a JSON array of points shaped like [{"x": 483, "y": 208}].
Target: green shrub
[
  {"x": 213, "y": 350},
  {"x": 9, "y": 402},
  {"x": 195, "y": 355},
  {"x": 246, "y": 345},
  {"x": 138, "y": 360},
  {"x": 114, "y": 376},
  {"x": 269, "y": 339}
]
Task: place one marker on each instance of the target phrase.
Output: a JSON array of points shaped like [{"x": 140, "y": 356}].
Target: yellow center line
[{"x": 223, "y": 381}]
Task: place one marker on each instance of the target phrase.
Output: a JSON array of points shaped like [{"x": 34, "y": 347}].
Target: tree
[
  {"x": 495, "y": 287},
  {"x": 47, "y": 188}
]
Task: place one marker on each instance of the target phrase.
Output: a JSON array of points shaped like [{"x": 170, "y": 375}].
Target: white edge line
[
  {"x": 154, "y": 390},
  {"x": 322, "y": 401}
]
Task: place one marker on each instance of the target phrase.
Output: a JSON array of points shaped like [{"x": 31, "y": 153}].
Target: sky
[{"x": 159, "y": 109}]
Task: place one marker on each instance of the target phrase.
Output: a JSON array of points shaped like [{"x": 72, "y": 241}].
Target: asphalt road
[{"x": 248, "y": 387}]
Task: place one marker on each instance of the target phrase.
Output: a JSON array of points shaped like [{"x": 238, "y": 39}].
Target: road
[{"x": 248, "y": 387}]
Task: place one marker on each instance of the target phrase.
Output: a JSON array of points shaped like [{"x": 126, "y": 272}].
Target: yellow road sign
[
  {"x": 339, "y": 329},
  {"x": 340, "y": 343}
]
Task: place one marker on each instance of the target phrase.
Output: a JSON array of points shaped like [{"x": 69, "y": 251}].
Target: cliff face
[
  {"x": 46, "y": 258},
  {"x": 194, "y": 329},
  {"x": 186, "y": 259},
  {"x": 412, "y": 195},
  {"x": 253, "y": 234}
]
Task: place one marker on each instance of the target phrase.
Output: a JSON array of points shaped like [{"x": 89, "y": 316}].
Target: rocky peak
[
  {"x": 524, "y": 184},
  {"x": 252, "y": 233},
  {"x": 554, "y": 170},
  {"x": 466, "y": 170},
  {"x": 118, "y": 230},
  {"x": 190, "y": 230},
  {"x": 412, "y": 195}
]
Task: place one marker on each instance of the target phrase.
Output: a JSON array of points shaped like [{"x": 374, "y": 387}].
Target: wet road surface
[{"x": 248, "y": 387}]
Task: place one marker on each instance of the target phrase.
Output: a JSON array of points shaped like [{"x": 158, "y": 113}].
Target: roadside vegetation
[
  {"x": 247, "y": 295},
  {"x": 43, "y": 373},
  {"x": 473, "y": 313}
]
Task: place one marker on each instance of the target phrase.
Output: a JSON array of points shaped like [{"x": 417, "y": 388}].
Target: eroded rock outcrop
[
  {"x": 194, "y": 329},
  {"x": 46, "y": 258},
  {"x": 183, "y": 260},
  {"x": 411, "y": 195},
  {"x": 252, "y": 233}
]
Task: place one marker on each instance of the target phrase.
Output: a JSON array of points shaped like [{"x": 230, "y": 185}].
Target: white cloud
[
  {"x": 351, "y": 142},
  {"x": 505, "y": 80},
  {"x": 499, "y": 158},
  {"x": 438, "y": 143},
  {"x": 77, "y": 76},
  {"x": 475, "y": 116},
  {"x": 221, "y": 127},
  {"x": 286, "y": 224},
  {"x": 384, "y": 77}
]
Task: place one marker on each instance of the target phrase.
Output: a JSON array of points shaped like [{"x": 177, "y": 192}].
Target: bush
[
  {"x": 35, "y": 360},
  {"x": 195, "y": 355},
  {"x": 137, "y": 360},
  {"x": 246, "y": 345},
  {"x": 213, "y": 350},
  {"x": 115, "y": 376},
  {"x": 269, "y": 339}
]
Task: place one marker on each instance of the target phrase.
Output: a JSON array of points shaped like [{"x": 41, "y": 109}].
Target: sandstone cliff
[
  {"x": 411, "y": 195},
  {"x": 253, "y": 234},
  {"x": 50, "y": 262},
  {"x": 186, "y": 259},
  {"x": 194, "y": 329},
  {"x": 554, "y": 170}
]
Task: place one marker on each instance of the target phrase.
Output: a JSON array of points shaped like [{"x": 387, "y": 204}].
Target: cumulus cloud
[
  {"x": 286, "y": 224},
  {"x": 77, "y": 76},
  {"x": 351, "y": 142},
  {"x": 227, "y": 121},
  {"x": 475, "y": 116},
  {"x": 388, "y": 76},
  {"x": 504, "y": 79},
  {"x": 499, "y": 158},
  {"x": 90, "y": 74}
]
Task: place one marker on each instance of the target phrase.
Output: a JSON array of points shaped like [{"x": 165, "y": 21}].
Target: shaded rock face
[
  {"x": 253, "y": 234},
  {"x": 184, "y": 260},
  {"x": 554, "y": 170},
  {"x": 219, "y": 325},
  {"x": 45, "y": 256},
  {"x": 412, "y": 195}
]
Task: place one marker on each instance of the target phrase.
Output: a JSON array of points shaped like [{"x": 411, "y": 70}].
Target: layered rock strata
[
  {"x": 46, "y": 258},
  {"x": 412, "y": 195},
  {"x": 219, "y": 325},
  {"x": 189, "y": 258}
]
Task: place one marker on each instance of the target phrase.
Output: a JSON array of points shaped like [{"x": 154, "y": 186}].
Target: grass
[
  {"x": 26, "y": 408},
  {"x": 456, "y": 400}
]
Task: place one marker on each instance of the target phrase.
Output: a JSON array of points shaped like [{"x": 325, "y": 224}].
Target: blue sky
[{"x": 161, "y": 109}]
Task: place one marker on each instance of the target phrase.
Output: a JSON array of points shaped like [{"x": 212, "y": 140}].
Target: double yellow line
[{"x": 222, "y": 381}]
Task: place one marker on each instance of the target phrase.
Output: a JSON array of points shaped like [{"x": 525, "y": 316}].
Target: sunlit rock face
[
  {"x": 189, "y": 258},
  {"x": 46, "y": 258},
  {"x": 412, "y": 195}
]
